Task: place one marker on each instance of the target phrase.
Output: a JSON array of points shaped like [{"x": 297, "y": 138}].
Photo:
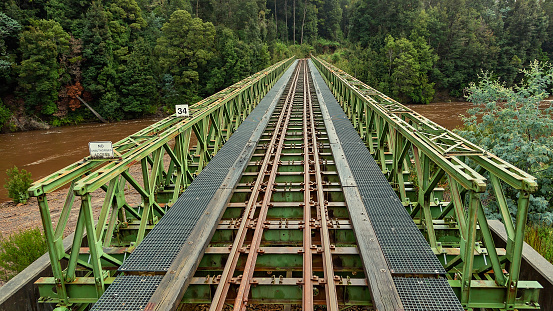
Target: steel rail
[
  {"x": 322, "y": 211},
  {"x": 230, "y": 266},
  {"x": 307, "y": 300},
  {"x": 278, "y": 135}
]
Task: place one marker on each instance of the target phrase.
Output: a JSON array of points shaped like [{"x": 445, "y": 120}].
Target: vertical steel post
[
  {"x": 468, "y": 246},
  {"x": 516, "y": 250},
  {"x": 94, "y": 245},
  {"x": 53, "y": 250}
]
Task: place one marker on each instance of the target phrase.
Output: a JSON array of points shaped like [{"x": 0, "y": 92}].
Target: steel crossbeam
[{"x": 407, "y": 144}]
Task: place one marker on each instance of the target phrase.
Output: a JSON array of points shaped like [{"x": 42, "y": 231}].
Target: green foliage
[
  {"x": 20, "y": 250},
  {"x": 17, "y": 184},
  {"x": 8, "y": 30},
  {"x": 330, "y": 16},
  {"x": 138, "y": 92},
  {"x": 184, "y": 48},
  {"x": 540, "y": 237},
  {"x": 322, "y": 46},
  {"x": 514, "y": 124},
  {"x": 133, "y": 55},
  {"x": 301, "y": 50},
  {"x": 5, "y": 114},
  {"x": 41, "y": 44},
  {"x": 409, "y": 63}
]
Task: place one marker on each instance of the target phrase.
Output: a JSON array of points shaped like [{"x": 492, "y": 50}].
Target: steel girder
[
  {"x": 168, "y": 154},
  {"x": 402, "y": 140}
]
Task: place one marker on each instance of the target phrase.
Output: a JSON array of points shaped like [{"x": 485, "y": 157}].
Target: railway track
[
  {"x": 292, "y": 212},
  {"x": 285, "y": 218}
]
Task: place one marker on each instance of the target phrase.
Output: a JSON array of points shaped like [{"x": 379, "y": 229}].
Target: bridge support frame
[
  {"x": 415, "y": 152},
  {"x": 169, "y": 154}
]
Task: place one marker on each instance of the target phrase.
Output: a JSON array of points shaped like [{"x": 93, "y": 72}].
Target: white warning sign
[{"x": 100, "y": 149}]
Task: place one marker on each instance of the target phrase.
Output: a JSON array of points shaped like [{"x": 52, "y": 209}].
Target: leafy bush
[
  {"x": 5, "y": 114},
  {"x": 17, "y": 184},
  {"x": 301, "y": 51},
  {"x": 515, "y": 124},
  {"x": 20, "y": 249}
]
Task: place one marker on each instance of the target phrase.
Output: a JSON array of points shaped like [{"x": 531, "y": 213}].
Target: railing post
[
  {"x": 53, "y": 250},
  {"x": 468, "y": 246},
  {"x": 94, "y": 245},
  {"x": 516, "y": 250}
]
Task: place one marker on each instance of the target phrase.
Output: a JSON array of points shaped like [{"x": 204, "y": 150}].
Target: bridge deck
[{"x": 293, "y": 202}]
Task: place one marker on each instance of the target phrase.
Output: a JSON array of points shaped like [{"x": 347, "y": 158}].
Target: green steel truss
[
  {"x": 420, "y": 159},
  {"x": 153, "y": 166}
]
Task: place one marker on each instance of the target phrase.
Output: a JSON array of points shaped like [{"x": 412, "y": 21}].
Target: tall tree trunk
[
  {"x": 198, "y": 8},
  {"x": 229, "y": 10},
  {"x": 294, "y": 18},
  {"x": 303, "y": 21},
  {"x": 286, "y": 18},
  {"x": 276, "y": 21}
]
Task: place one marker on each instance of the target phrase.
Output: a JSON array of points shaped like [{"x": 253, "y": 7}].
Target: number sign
[{"x": 182, "y": 110}]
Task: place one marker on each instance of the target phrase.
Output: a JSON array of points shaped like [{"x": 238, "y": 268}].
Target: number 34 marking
[{"x": 182, "y": 110}]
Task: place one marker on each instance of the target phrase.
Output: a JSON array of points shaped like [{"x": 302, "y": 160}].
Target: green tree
[
  {"x": 5, "y": 114},
  {"x": 465, "y": 41},
  {"x": 41, "y": 45},
  {"x": 231, "y": 63},
  {"x": 511, "y": 123},
  {"x": 409, "y": 63},
  {"x": 547, "y": 7},
  {"x": 330, "y": 17},
  {"x": 138, "y": 87},
  {"x": 99, "y": 74},
  {"x": 185, "y": 47},
  {"x": 69, "y": 13},
  {"x": 372, "y": 21},
  {"x": 525, "y": 26},
  {"x": 9, "y": 30}
]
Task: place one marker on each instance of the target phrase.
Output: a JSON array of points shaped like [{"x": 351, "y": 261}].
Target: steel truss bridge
[{"x": 299, "y": 187}]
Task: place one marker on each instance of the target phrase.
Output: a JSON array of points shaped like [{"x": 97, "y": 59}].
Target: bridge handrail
[
  {"x": 507, "y": 172},
  {"x": 121, "y": 224},
  {"x": 146, "y": 139},
  {"x": 400, "y": 130}
]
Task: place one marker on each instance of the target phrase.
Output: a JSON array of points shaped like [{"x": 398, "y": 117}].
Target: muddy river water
[
  {"x": 46, "y": 151},
  {"x": 43, "y": 152}
]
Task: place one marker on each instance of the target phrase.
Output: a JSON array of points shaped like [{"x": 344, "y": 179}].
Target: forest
[{"x": 131, "y": 58}]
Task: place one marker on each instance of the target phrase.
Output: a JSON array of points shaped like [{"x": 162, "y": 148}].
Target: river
[
  {"x": 447, "y": 115},
  {"x": 46, "y": 151},
  {"x": 43, "y": 152}
]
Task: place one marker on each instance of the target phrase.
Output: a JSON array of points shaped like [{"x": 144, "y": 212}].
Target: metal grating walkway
[{"x": 128, "y": 292}]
